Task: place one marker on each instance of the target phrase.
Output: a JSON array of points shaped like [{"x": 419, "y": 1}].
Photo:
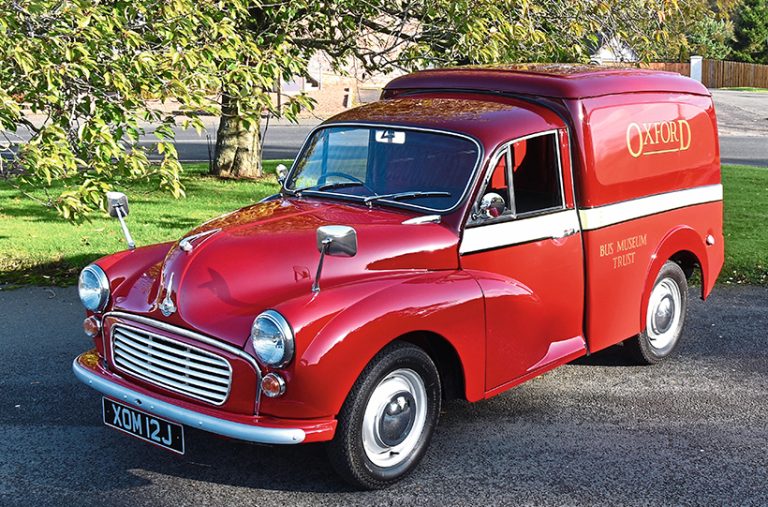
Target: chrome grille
[{"x": 171, "y": 364}]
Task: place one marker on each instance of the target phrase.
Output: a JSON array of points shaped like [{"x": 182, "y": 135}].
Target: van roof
[
  {"x": 567, "y": 81},
  {"x": 489, "y": 119}
]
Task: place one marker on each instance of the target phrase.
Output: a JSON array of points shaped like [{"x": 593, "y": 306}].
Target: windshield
[{"x": 386, "y": 165}]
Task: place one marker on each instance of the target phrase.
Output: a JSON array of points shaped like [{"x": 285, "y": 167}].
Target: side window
[
  {"x": 526, "y": 176},
  {"x": 536, "y": 174}
]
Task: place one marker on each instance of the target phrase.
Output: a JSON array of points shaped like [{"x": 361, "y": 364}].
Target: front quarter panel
[{"x": 339, "y": 330}]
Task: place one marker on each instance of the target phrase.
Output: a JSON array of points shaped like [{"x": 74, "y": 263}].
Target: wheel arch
[
  {"x": 443, "y": 313},
  {"x": 684, "y": 246},
  {"x": 445, "y": 357}
]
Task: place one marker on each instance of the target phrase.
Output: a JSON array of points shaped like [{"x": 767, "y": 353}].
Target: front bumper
[{"x": 258, "y": 429}]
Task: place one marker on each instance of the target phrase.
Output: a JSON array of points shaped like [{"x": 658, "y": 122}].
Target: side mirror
[
  {"x": 282, "y": 173},
  {"x": 118, "y": 208},
  {"x": 337, "y": 240},
  {"x": 117, "y": 201},
  {"x": 492, "y": 205}
]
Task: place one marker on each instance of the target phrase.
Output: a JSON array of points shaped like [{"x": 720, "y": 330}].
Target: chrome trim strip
[
  {"x": 186, "y": 243},
  {"x": 610, "y": 214},
  {"x": 424, "y": 219},
  {"x": 156, "y": 377},
  {"x": 188, "y": 417},
  {"x": 199, "y": 337},
  {"x": 396, "y": 204}
]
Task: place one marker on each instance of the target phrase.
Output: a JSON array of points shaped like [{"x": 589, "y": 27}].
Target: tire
[
  {"x": 388, "y": 418},
  {"x": 664, "y": 317}
]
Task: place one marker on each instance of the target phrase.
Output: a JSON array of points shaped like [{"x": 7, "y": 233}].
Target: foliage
[
  {"x": 711, "y": 38},
  {"x": 84, "y": 78},
  {"x": 83, "y": 83},
  {"x": 751, "y": 32}
]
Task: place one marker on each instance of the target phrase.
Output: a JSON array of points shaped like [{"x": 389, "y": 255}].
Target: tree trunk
[{"x": 237, "y": 148}]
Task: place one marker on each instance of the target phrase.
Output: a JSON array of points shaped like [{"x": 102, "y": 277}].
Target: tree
[
  {"x": 752, "y": 32},
  {"x": 383, "y": 35},
  {"x": 710, "y": 38},
  {"x": 85, "y": 78}
]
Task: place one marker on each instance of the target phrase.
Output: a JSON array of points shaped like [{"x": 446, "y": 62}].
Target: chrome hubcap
[
  {"x": 394, "y": 418},
  {"x": 664, "y": 313}
]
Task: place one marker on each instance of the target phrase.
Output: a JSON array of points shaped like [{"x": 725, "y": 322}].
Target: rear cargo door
[{"x": 526, "y": 254}]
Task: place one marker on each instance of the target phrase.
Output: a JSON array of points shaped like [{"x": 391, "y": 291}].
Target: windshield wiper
[
  {"x": 340, "y": 184},
  {"x": 329, "y": 186},
  {"x": 404, "y": 195}
]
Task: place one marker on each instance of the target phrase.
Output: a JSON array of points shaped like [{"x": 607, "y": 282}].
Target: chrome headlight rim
[
  {"x": 103, "y": 287},
  {"x": 286, "y": 332}
]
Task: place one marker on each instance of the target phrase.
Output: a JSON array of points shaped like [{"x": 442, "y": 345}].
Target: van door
[{"x": 523, "y": 244}]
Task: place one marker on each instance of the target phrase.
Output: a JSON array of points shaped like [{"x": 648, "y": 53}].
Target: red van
[{"x": 473, "y": 229}]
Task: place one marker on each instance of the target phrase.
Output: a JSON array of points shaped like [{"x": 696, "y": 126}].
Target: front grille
[{"x": 171, "y": 364}]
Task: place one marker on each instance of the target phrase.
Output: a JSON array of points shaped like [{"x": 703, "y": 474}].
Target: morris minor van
[{"x": 471, "y": 230}]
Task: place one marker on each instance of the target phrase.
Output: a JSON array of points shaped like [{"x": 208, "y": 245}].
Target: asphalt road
[
  {"x": 284, "y": 141},
  {"x": 691, "y": 431}
]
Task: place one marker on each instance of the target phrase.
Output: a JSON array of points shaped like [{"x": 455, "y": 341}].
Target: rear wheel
[
  {"x": 664, "y": 317},
  {"x": 388, "y": 419}
]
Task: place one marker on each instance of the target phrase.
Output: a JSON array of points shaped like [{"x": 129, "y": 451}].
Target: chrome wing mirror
[
  {"x": 492, "y": 205},
  {"x": 337, "y": 241},
  {"x": 118, "y": 208},
  {"x": 282, "y": 172}
]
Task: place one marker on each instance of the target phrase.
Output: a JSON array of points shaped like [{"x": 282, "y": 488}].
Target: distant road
[
  {"x": 747, "y": 150},
  {"x": 281, "y": 141},
  {"x": 284, "y": 141}
]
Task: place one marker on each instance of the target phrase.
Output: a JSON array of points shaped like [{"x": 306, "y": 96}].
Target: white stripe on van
[
  {"x": 603, "y": 216},
  {"x": 559, "y": 224},
  {"x": 523, "y": 230}
]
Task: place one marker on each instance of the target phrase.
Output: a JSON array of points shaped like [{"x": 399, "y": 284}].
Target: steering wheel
[{"x": 343, "y": 175}]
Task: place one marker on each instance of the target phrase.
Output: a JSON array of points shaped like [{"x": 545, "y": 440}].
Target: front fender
[
  {"x": 125, "y": 268},
  {"x": 344, "y": 327}
]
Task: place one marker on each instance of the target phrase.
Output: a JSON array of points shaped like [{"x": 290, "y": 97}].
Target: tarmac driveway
[{"x": 691, "y": 431}]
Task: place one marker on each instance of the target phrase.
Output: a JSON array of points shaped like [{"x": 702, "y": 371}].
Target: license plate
[{"x": 143, "y": 426}]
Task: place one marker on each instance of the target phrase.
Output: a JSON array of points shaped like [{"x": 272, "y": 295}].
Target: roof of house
[{"x": 567, "y": 81}]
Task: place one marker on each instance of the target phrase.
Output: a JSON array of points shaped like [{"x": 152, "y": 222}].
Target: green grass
[
  {"x": 745, "y": 225},
  {"x": 745, "y": 89},
  {"x": 38, "y": 248}
]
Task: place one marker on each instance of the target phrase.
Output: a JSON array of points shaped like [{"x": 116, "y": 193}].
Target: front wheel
[
  {"x": 664, "y": 317},
  {"x": 388, "y": 419}
]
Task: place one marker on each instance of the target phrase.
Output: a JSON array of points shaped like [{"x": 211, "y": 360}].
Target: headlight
[
  {"x": 272, "y": 339},
  {"x": 93, "y": 287}
]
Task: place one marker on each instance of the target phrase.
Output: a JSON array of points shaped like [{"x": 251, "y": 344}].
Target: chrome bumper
[{"x": 247, "y": 432}]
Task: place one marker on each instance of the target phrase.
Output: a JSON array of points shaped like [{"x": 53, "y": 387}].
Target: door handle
[{"x": 565, "y": 233}]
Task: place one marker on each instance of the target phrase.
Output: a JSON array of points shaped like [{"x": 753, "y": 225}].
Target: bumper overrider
[{"x": 259, "y": 429}]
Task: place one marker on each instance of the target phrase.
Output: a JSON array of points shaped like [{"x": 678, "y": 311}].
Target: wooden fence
[{"x": 719, "y": 73}]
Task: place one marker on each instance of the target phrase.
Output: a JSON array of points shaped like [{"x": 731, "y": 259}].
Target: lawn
[
  {"x": 745, "y": 89},
  {"x": 746, "y": 219},
  {"x": 36, "y": 247}
]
